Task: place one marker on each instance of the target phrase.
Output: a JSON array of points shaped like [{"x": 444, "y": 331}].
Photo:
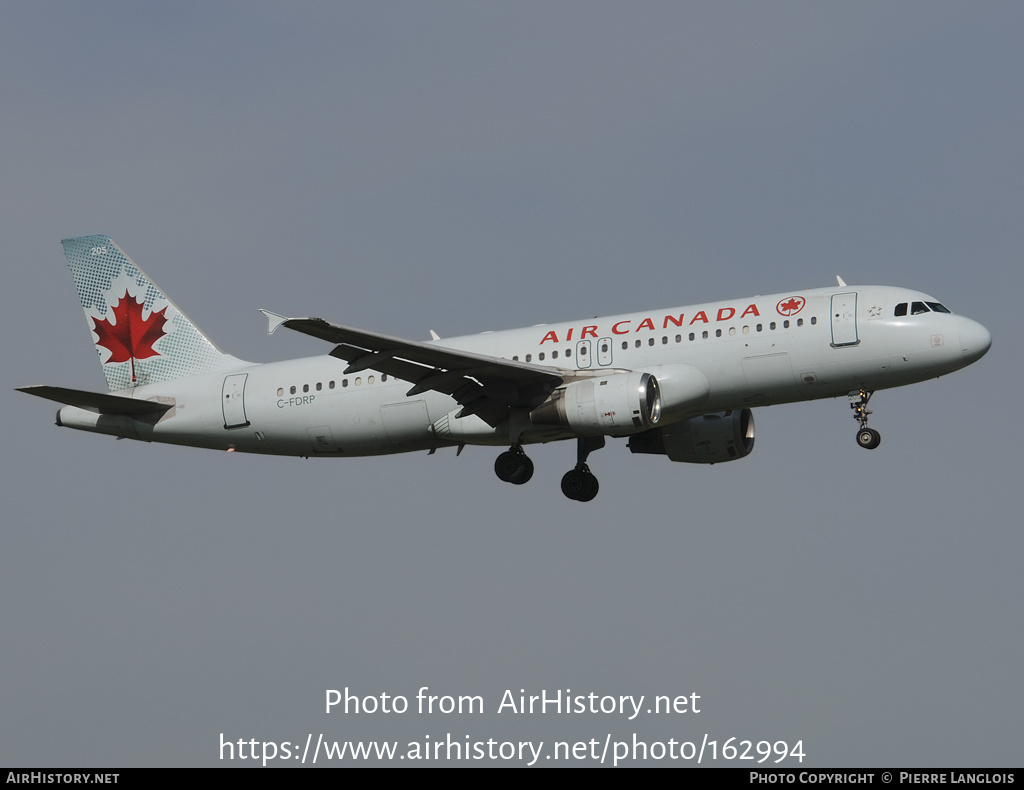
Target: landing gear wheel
[
  {"x": 580, "y": 484},
  {"x": 525, "y": 472},
  {"x": 869, "y": 438},
  {"x": 506, "y": 465},
  {"x": 513, "y": 467}
]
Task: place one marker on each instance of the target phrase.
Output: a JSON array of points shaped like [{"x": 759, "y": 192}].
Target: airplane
[{"x": 677, "y": 382}]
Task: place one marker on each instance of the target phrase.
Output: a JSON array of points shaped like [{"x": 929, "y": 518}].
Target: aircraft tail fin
[{"x": 140, "y": 335}]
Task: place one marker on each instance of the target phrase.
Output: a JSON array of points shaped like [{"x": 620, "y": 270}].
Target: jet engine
[
  {"x": 612, "y": 405},
  {"x": 710, "y": 439}
]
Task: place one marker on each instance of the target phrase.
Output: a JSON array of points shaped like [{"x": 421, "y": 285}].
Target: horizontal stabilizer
[{"x": 97, "y": 401}]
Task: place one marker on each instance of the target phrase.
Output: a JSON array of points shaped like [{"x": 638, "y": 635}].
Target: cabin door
[
  {"x": 844, "y": 320},
  {"x": 233, "y": 401}
]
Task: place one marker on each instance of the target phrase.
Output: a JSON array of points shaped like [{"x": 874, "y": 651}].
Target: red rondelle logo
[{"x": 791, "y": 305}]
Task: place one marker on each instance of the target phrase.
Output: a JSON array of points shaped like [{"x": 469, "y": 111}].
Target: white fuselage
[{"x": 765, "y": 350}]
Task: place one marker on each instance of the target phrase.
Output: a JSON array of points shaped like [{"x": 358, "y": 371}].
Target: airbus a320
[{"x": 679, "y": 382}]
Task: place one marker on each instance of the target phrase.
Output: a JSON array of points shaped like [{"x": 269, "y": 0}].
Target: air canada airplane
[{"x": 677, "y": 382}]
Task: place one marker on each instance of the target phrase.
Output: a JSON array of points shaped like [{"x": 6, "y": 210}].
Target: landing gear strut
[
  {"x": 867, "y": 438},
  {"x": 579, "y": 484},
  {"x": 514, "y": 466}
]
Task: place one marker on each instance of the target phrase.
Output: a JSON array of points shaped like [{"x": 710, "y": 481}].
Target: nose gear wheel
[{"x": 868, "y": 438}]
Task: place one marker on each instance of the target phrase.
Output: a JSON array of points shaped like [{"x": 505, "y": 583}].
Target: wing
[{"x": 482, "y": 385}]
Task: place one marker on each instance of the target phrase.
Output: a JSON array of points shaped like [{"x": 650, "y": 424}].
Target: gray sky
[{"x": 468, "y": 166}]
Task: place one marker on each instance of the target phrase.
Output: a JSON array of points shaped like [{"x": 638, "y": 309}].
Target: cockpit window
[{"x": 919, "y": 308}]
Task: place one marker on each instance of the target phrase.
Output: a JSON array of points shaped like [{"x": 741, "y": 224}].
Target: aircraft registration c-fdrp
[{"x": 677, "y": 382}]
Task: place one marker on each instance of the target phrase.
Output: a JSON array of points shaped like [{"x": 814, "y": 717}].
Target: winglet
[
  {"x": 840, "y": 281},
  {"x": 434, "y": 335},
  {"x": 274, "y": 319}
]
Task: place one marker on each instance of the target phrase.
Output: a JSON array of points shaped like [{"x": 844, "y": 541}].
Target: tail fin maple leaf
[
  {"x": 166, "y": 343},
  {"x": 132, "y": 336}
]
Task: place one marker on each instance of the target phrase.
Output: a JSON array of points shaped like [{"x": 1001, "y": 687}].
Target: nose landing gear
[{"x": 868, "y": 438}]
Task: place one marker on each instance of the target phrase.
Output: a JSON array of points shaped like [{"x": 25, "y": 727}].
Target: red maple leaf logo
[
  {"x": 133, "y": 336},
  {"x": 790, "y": 306}
]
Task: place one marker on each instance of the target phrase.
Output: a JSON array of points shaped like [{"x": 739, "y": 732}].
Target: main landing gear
[
  {"x": 514, "y": 466},
  {"x": 579, "y": 484},
  {"x": 868, "y": 438}
]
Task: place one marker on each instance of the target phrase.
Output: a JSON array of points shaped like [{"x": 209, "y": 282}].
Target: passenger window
[
  {"x": 704, "y": 334},
  {"x": 901, "y": 310},
  {"x": 369, "y": 380},
  {"x": 344, "y": 382},
  {"x": 540, "y": 357},
  {"x": 650, "y": 342},
  {"x": 679, "y": 338},
  {"x": 638, "y": 344},
  {"x": 760, "y": 327},
  {"x": 625, "y": 345},
  {"x": 746, "y": 330},
  {"x": 785, "y": 324},
  {"x": 771, "y": 326},
  {"x": 319, "y": 386},
  {"x": 529, "y": 357},
  {"x": 383, "y": 377},
  {"x": 732, "y": 331},
  {"x": 293, "y": 389},
  {"x": 330, "y": 385},
  {"x": 280, "y": 391},
  {"x": 799, "y": 322},
  {"x": 814, "y": 320},
  {"x": 664, "y": 340},
  {"x": 718, "y": 333},
  {"x": 692, "y": 336},
  {"x": 305, "y": 388},
  {"x": 554, "y": 355},
  {"x": 359, "y": 380}
]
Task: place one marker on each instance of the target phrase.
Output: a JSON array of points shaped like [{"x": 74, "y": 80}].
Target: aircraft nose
[{"x": 975, "y": 340}]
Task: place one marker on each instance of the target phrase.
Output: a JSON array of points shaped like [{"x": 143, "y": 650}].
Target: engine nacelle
[
  {"x": 610, "y": 405},
  {"x": 709, "y": 439},
  {"x": 683, "y": 388}
]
